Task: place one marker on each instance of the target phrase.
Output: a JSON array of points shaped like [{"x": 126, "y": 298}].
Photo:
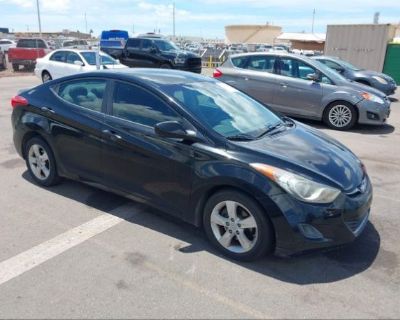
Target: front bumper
[
  {"x": 388, "y": 89},
  {"x": 373, "y": 113},
  {"x": 303, "y": 227}
]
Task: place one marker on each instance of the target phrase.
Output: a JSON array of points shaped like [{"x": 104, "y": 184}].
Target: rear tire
[
  {"x": 237, "y": 226},
  {"x": 340, "y": 115},
  {"x": 46, "y": 77},
  {"x": 41, "y": 162},
  {"x": 15, "y": 67}
]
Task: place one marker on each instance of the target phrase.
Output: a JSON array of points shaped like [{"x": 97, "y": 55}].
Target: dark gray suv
[{"x": 301, "y": 87}]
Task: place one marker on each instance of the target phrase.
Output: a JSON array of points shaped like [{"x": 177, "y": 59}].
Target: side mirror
[
  {"x": 174, "y": 129},
  {"x": 340, "y": 70},
  {"x": 313, "y": 77},
  {"x": 153, "y": 50},
  {"x": 78, "y": 63}
]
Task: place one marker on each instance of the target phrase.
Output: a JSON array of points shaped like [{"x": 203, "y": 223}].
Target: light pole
[
  {"x": 38, "y": 15},
  {"x": 313, "y": 18},
  {"x": 173, "y": 20}
]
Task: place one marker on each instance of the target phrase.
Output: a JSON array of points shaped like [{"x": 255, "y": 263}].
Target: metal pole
[
  {"x": 85, "y": 23},
  {"x": 38, "y": 14},
  {"x": 313, "y": 18},
  {"x": 173, "y": 20}
]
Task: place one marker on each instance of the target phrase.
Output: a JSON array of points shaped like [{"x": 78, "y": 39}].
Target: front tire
[
  {"x": 41, "y": 162},
  {"x": 237, "y": 226},
  {"x": 340, "y": 115}
]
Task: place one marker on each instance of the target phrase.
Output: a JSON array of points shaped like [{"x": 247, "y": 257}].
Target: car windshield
[
  {"x": 332, "y": 74},
  {"x": 224, "y": 109},
  {"x": 90, "y": 58},
  {"x": 164, "y": 45},
  {"x": 347, "y": 64}
]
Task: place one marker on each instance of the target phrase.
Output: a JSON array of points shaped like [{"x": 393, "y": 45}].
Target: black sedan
[
  {"x": 374, "y": 79},
  {"x": 200, "y": 150}
]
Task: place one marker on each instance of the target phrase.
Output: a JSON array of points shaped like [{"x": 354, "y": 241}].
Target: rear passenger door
[
  {"x": 77, "y": 131},
  {"x": 56, "y": 64},
  {"x": 297, "y": 96},
  {"x": 139, "y": 162},
  {"x": 255, "y": 77},
  {"x": 132, "y": 54},
  {"x": 70, "y": 67}
]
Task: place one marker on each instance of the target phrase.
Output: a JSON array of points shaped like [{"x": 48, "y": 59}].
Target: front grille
[
  {"x": 357, "y": 226},
  {"x": 194, "y": 62}
]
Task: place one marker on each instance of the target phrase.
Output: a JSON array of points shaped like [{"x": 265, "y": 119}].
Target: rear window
[{"x": 31, "y": 43}]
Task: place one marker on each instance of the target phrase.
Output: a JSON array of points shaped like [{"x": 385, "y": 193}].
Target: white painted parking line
[{"x": 27, "y": 260}]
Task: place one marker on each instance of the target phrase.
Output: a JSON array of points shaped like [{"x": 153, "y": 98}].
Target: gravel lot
[{"x": 72, "y": 251}]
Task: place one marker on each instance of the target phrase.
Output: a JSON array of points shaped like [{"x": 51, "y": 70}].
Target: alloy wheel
[
  {"x": 340, "y": 116},
  {"x": 234, "y": 226},
  {"x": 39, "y": 162}
]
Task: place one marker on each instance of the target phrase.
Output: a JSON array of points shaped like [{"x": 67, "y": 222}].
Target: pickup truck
[
  {"x": 150, "y": 52},
  {"x": 26, "y": 52}
]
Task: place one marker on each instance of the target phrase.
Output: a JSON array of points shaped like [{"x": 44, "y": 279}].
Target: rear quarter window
[{"x": 239, "y": 62}]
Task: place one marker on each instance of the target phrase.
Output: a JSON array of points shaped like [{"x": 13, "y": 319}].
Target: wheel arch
[
  {"x": 201, "y": 203},
  {"x": 327, "y": 105}
]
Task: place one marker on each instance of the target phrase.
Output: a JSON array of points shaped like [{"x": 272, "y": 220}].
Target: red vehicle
[{"x": 26, "y": 53}]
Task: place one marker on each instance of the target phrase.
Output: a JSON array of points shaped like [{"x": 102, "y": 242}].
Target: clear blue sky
[{"x": 205, "y": 18}]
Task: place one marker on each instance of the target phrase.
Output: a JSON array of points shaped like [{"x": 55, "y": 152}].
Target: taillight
[
  {"x": 217, "y": 73},
  {"x": 19, "y": 101}
]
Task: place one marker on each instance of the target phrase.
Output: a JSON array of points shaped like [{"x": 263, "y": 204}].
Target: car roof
[
  {"x": 145, "y": 75},
  {"x": 76, "y": 50}
]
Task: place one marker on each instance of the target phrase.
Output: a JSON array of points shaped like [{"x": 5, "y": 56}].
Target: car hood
[
  {"x": 308, "y": 151},
  {"x": 180, "y": 53},
  {"x": 359, "y": 87},
  {"x": 370, "y": 73}
]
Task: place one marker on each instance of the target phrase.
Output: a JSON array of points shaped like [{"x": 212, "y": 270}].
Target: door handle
[
  {"x": 112, "y": 135},
  {"x": 246, "y": 78},
  {"x": 283, "y": 85},
  {"x": 48, "y": 110}
]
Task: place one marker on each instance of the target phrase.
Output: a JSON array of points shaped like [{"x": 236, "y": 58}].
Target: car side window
[
  {"x": 72, "y": 57},
  {"x": 331, "y": 64},
  {"x": 261, "y": 63},
  {"x": 294, "y": 68},
  {"x": 58, "y": 56},
  {"x": 87, "y": 93},
  {"x": 133, "y": 44},
  {"x": 135, "y": 104},
  {"x": 239, "y": 62},
  {"x": 147, "y": 44}
]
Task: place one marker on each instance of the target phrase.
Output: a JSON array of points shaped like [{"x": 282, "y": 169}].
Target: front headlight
[
  {"x": 301, "y": 188},
  {"x": 380, "y": 79},
  {"x": 372, "y": 97}
]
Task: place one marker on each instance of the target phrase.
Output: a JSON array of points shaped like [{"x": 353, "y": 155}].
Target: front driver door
[
  {"x": 297, "y": 96},
  {"x": 136, "y": 160}
]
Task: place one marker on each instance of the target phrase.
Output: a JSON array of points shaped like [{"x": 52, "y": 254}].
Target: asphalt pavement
[{"x": 72, "y": 251}]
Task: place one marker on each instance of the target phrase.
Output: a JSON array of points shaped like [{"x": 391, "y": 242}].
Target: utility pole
[
  {"x": 85, "y": 24},
  {"x": 173, "y": 20},
  {"x": 38, "y": 14},
  {"x": 313, "y": 19}
]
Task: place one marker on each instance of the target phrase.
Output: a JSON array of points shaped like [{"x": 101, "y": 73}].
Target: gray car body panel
[{"x": 302, "y": 98}]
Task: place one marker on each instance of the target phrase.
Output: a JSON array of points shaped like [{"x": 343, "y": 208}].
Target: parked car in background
[
  {"x": 200, "y": 150},
  {"x": 76, "y": 44},
  {"x": 27, "y": 52},
  {"x": 377, "y": 80},
  {"x": 6, "y": 44},
  {"x": 3, "y": 60},
  {"x": 65, "y": 62},
  {"x": 302, "y": 87},
  {"x": 113, "y": 42},
  {"x": 158, "y": 53}
]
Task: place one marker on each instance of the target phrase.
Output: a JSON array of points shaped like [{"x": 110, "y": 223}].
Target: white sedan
[{"x": 65, "y": 62}]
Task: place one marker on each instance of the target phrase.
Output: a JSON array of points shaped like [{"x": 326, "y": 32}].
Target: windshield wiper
[
  {"x": 270, "y": 129},
  {"x": 240, "y": 137}
]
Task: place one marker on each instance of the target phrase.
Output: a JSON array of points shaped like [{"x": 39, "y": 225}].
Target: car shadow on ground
[
  {"x": 384, "y": 129},
  {"x": 317, "y": 267}
]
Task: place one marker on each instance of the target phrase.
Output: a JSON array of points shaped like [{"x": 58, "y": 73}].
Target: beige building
[{"x": 251, "y": 33}]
